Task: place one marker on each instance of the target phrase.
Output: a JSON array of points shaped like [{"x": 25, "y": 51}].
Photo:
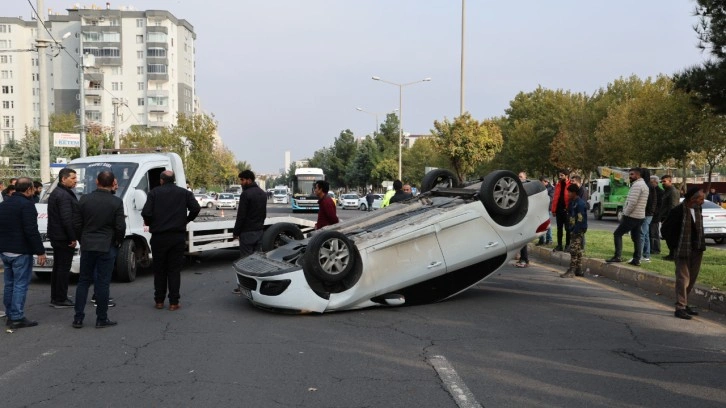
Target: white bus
[{"x": 303, "y": 182}]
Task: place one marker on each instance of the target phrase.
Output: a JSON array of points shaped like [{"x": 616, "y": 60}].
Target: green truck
[{"x": 608, "y": 193}]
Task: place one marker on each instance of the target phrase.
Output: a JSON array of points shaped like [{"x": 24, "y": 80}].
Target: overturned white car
[{"x": 422, "y": 250}]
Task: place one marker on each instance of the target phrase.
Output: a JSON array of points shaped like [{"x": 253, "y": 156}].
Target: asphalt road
[{"x": 523, "y": 338}]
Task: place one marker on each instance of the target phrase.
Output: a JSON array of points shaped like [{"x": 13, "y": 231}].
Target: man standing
[
  {"x": 671, "y": 199},
  {"x": 400, "y": 194},
  {"x": 546, "y": 239},
  {"x": 559, "y": 209},
  {"x": 654, "y": 231},
  {"x": 17, "y": 246},
  {"x": 651, "y": 206},
  {"x": 103, "y": 232},
  {"x": 64, "y": 229},
  {"x": 683, "y": 230},
  {"x": 168, "y": 210},
  {"x": 38, "y": 188},
  {"x": 577, "y": 224},
  {"x": 524, "y": 252},
  {"x": 633, "y": 216},
  {"x": 370, "y": 198},
  {"x": 326, "y": 211},
  {"x": 251, "y": 215},
  {"x": 714, "y": 197}
]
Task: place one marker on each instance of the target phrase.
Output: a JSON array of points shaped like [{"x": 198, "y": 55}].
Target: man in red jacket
[
  {"x": 326, "y": 212},
  {"x": 559, "y": 209}
]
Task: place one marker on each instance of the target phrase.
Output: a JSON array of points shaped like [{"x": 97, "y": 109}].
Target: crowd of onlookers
[{"x": 9, "y": 189}]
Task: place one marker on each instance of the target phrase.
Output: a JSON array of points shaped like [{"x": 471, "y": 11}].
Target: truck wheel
[
  {"x": 329, "y": 256},
  {"x": 126, "y": 262},
  {"x": 504, "y": 197},
  {"x": 280, "y": 234},
  {"x": 598, "y": 212},
  {"x": 619, "y": 214},
  {"x": 718, "y": 241},
  {"x": 439, "y": 178}
]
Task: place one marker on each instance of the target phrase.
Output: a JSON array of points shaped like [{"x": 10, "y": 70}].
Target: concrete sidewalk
[{"x": 701, "y": 296}]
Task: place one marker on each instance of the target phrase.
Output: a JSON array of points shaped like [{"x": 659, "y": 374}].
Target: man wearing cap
[{"x": 683, "y": 230}]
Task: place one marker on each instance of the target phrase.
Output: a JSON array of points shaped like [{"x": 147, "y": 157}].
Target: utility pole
[
  {"x": 42, "y": 44},
  {"x": 116, "y": 142},
  {"x": 461, "y": 92}
]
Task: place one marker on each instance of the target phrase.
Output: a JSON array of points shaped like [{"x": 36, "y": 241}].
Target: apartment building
[{"x": 143, "y": 59}]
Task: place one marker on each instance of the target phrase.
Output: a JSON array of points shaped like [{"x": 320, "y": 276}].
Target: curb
[{"x": 701, "y": 296}]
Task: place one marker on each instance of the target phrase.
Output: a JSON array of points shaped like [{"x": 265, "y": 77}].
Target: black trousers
[
  {"x": 562, "y": 225},
  {"x": 62, "y": 259},
  {"x": 168, "y": 253}
]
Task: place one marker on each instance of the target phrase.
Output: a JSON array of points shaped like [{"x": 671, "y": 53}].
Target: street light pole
[
  {"x": 400, "y": 113},
  {"x": 370, "y": 113},
  {"x": 461, "y": 91},
  {"x": 42, "y": 44}
]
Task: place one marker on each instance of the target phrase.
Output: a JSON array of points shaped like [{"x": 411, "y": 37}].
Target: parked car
[
  {"x": 334, "y": 197},
  {"x": 363, "y": 203},
  {"x": 349, "y": 201},
  {"x": 205, "y": 200},
  {"x": 714, "y": 221},
  {"x": 236, "y": 198},
  {"x": 225, "y": 200},
  {"x": 422, "y": 250}
]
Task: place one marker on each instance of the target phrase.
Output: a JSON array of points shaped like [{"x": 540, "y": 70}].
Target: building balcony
[
  {"x": 157, "y": 92},
  {"x": 157, "y": 77},
  {"x": 158, "y": 123},
  {"x": 159, "y": 109},
  {"x": 93, "y": 91}
]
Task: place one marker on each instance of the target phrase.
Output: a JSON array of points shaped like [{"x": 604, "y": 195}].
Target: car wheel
[
  {"x": 329, "y": 256},
  {"x": 439, "y": 178},
  {"x": 210, "y": 205},
  {"x": 280, "y": 234},
  {"x": 126, "y": 261},
  {"x": 504, "y": 197},
  {"x": 362, "y": 207},
  {"x": 718, "y": 241}
]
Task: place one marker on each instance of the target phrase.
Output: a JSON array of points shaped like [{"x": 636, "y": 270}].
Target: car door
[{"x": 466, "y": 238}]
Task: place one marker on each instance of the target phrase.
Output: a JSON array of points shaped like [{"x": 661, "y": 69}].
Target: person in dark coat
[
  {"x": 168, "y": 210},
  {"x": 399, "y": 194},
  {"x": 251, "y": 215},
  {"x": 370, "y": 198},
  {"x": 671, "y": 198},
  {"x": 104, "y": 226},
  {"x": 18, "y": 244},
  {"x": 64, "y": 229},
  {"x": 683, "y": 231},
  {"x": 654, "y": 231}
]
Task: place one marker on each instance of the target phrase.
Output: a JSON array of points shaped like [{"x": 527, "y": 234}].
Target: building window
[
  {"x": 140, "y": 101},
  {"x": 8, "y": 89},
  {"x": 117, "y": 86},
  {"x": 140, "y": 86},
  {"x": 156, "y": 52},
  {"x": 139, "y": 39},
  {"x": 5, "y": 44},
  {"x": 93, "y": 115},
  {"x": 140, "y": 70},
  {"x": 8, "y": 135},
  {"x": 9, "y": 121},
  {"x": 158, "y": 101},
  {"x": 4, "y": 28},
  {"x": 156, "y": 69},
  {"x": 6, "y": 74},
  {"x": 156, "y": 37},
  {"x": 113, "y": 22},
  {"x": 117, "y": 71},
  {"x": 106, "y": 52},
  {"x": 140, "y": 54},
  {"x": 139, "y": 22},
  {"x": 8, "y": 104},
  {"x": 92, "y": 36},
  {"x": 6, "y": 59}
]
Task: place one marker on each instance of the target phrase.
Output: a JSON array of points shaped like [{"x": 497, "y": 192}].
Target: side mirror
[{"x": 139, "y": 199}]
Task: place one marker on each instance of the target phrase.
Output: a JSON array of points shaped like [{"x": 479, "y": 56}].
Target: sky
[{"x": 288, "y": 75}]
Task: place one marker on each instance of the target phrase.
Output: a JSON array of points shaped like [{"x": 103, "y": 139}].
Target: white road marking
[
  {"x": 26, "y": 366},
  {"x": 458, "y": 390}
]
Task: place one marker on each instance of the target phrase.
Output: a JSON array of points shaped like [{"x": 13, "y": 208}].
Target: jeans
[
  {"x": 101, "y": 265},
  {"x": 18, "y": 271},
  {"x": 645, "y": 236},
  {"x": 632, "y": 225}
]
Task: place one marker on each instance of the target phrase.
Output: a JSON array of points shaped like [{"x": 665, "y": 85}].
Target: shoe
[
  {"x": 111, "y": 303},
  {"x": 93, "y": 299},
  {"x": 568, "y": 274},
  {"x": 19, "y": 324},
  {"x": 77, "y": 324},
  {"x": 558, "y": 248},
  {"x": 614, "y": 259},
  {"x": 159, "y": 305},
  {"x": 101, "y": 324},
  {"x": 2, "y": 313},
  {"x": 646, "y": 259},
  {"x": 682, "y": 314},
  {"x": 691, "y": 311},
  {"x": 579, "y": 272},
  {"x": 634, "y": 262},
  {"x": 174, "y": 307},
  {"x": 521, "y": 264},
  {"x": 62, "y": 305}
]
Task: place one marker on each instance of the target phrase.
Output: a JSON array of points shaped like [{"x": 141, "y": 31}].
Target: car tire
[
  {"x": 718, "y": 241},
  {"x": 210, "y": 205},
  {"x": 439, "y": 178},
  {"x": 504, "y": 197},
  {"x": 126, "y": 262},
  {"x": 279, "y": 234},
  {"x": 329, "y": 256},
  {"x": 362, "y": 207},
  {"x": 598, "y": 212}
]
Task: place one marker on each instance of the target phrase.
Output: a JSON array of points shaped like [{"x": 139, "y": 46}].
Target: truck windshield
[{"x": 87, "y": 173}]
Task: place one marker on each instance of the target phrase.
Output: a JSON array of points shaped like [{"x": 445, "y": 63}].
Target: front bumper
[{"x": 277, "y": 285}]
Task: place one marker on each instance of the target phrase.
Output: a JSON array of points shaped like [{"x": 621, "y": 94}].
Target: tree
[
  {"x": 360, "y": 167},
  {"x": 424, "y": 153},
  {"x": 341, "y": 154},
  {"x": 466, "y": 142}
]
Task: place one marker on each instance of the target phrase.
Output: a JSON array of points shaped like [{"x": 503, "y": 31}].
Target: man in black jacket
[
  {"x": 17, "y": 246},
  {"x": 251, "y": 214},
  {"x": 683, "y": 231},
  {"x": 104, "y": 227},
  {"x": 64, "y": 228},
  {"x": 168, "y": 210}
]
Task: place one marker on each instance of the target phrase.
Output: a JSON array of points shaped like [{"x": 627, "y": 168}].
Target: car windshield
[
  {"x": 87, "y": 173},
  {"x": 350, "y": 197}
]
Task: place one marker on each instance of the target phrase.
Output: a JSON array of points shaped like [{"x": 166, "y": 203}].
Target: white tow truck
[{"x": 137, "y": 174}]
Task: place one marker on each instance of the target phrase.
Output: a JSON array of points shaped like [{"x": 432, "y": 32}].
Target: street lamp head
[
  {"x": 426, "y": 79},
  {"x": 376, "y": 78},
  {"x": 66, "y": 35},
  {"x": 359, "y": 109}
]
